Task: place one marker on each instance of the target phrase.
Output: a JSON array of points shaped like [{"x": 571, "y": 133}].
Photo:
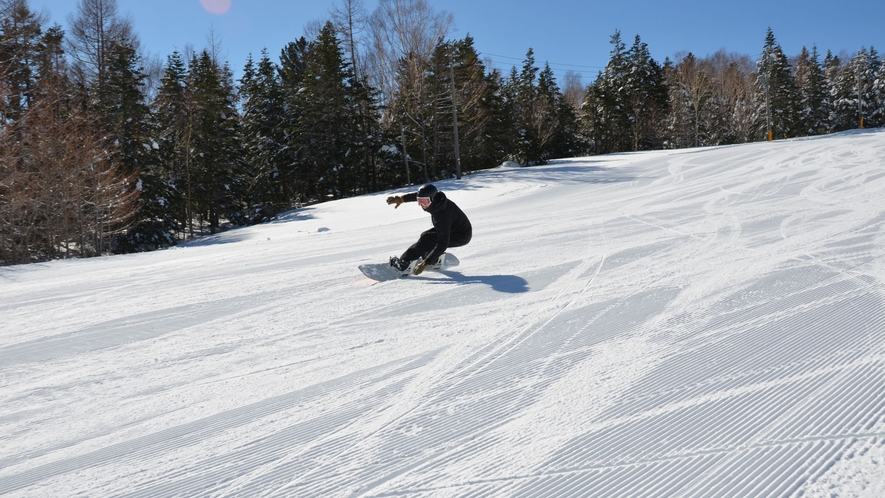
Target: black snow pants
[{"x": 428, "y": 241}]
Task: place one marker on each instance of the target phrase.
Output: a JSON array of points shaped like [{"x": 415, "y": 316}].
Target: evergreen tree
[
  {"x": 370, "y": 137},
  {"x": 20, "y": 35},
  {"x": 478, "y": 104},
  {"x": 877, "y": 112},
  {"x": 328, "y": 130},
  {"x": 499, "y": 120},
  {"x": 555, "y": 120},
  {"x": 645, "y": 95},
  {"x": 606, "y": 118},
  {"x": 264, "y": 139},
  {"x": 528, "y": 147},
  {"x": 438, "y": 113},
  {"x": 871, "y": 96},
  {"x": 839, "y": 89},
  {"x": 51, "y": 66},
  {"x": 213, "y": 147},
  {"x": 122, "y": 106},
  {"x": 173, "y": 117},
  {"x": 856, "y": 98},
  {"x": 506, "y": 122},
  {"x": 476, "y": 100},
  {"x": 293, "y": 61},
  {"x": 852, "y": 91},
  {"x": 814, "y": 104},
  {"x": 130, "y": 128},
  {"x": 777, "y": 98},
  {"x": 542, "y": 123}
]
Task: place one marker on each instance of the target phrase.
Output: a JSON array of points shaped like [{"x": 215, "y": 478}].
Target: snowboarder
[{"x": 451, "y": 228}]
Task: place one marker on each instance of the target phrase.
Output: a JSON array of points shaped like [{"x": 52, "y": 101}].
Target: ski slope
[{"x": 693, "y": 323}]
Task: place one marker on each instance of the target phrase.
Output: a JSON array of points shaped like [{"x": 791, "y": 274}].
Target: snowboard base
[{"x": 383, "y": 271}]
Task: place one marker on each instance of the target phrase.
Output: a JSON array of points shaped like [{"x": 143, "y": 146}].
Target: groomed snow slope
[{"x": 704, "y": 322}]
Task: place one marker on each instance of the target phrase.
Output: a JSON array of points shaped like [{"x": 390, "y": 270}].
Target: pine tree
[
  {"x": 264, "y": 139},
  {"x": 605, "y": 117},
  {"x": 477, "y": 106},
  {"x": 130, "y": 127},
  {"x": 217, "y": 180},
  {"x": 832, "y": 67},
  {"x": 645, "y": 96},
  {"x": 20, "y": 34},
  {"x": 328, "y": 130},
  {"x": 555, "y": 120},
  {"x": 122, "y": 106},
  {"x": 293, "y": 61},
  {"x": 51, "y": 65},
  {"x": 532, "y": 110},
  {"x": 173, "y": 117},
  {"x": 852, "y": 93},
  {"x": 814, "y": 104},
  {"x": 777, "y": 98},
  {"x": 877, "y": 112},
  {"x": 505, "y": 122},
  {"x": 528, "y": 146}
]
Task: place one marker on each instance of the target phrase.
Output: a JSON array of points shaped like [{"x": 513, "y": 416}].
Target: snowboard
[{"x": 383, "y": 271}]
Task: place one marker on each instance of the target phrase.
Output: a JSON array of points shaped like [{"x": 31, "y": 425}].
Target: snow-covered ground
[{"x": 705, "y": 322}]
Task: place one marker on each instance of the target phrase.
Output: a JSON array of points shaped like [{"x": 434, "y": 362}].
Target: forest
[{"x": 104, "y": 152}]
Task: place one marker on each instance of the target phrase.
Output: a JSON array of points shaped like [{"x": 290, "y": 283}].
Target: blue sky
[{"x": 569, "y": 34}]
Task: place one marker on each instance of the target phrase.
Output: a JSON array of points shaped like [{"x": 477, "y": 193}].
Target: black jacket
[{"x": 452, "y": 227}]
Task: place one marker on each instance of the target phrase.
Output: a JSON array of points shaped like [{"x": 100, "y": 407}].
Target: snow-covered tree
[
  {"x": 777, "y": 98},
  {"x": 645, "y": 96},
  {"x": 852, "y": 90},
  {"x": 690, "y": 95},
  {"x": 272, "y": 188},
  {"x": 877, "y": 109},
  {"x": 814, "y": 98},
  {"x": 214, "y": 154},
  {"x": 626, "y": 106},
  {"x": 329, "y": 130}
]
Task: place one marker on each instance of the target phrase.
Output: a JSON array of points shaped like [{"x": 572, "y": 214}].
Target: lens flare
[{"x": 218, "y": 7}]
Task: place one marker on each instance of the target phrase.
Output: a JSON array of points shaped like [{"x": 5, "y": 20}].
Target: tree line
[{"x": 103, "y": 151}]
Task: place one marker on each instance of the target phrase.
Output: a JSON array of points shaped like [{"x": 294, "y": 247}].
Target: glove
[
  {"x": 395, "y": 199},
  {"x": 419, "y": 267}
]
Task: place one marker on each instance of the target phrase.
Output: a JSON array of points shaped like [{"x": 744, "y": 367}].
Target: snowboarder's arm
[{"x": 399, "y": 199}]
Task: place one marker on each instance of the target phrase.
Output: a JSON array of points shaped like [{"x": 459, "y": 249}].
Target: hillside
[{"x": 702, "y": 322}]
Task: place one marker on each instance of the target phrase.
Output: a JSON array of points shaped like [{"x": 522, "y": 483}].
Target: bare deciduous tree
[
  {"x": 350, "y": 20},
  {"x": 61, "y": 194},
  {"x": 574, "y": 89},
  {"x": 733, "y": 76},
  {"x": 404, "y": 34},
  {"x": 691, "y": 90},
  {"x": 93, "y": 28}
]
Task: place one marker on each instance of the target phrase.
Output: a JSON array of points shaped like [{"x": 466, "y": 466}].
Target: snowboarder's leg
[
  {"x": 419, "y": 249},
  {"x": 459, "y": 239}
]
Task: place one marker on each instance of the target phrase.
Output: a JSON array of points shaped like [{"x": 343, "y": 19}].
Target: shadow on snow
[{"x": 509, "y": 284}]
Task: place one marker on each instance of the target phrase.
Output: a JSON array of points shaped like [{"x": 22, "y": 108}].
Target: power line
[{"x": 548, "y": 62}]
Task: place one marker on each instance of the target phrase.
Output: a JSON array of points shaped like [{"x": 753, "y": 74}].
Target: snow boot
[{"x": 399, "y": 265}]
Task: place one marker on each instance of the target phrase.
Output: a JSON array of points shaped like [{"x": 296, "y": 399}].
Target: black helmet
[{"x": 428, "y": 191}]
